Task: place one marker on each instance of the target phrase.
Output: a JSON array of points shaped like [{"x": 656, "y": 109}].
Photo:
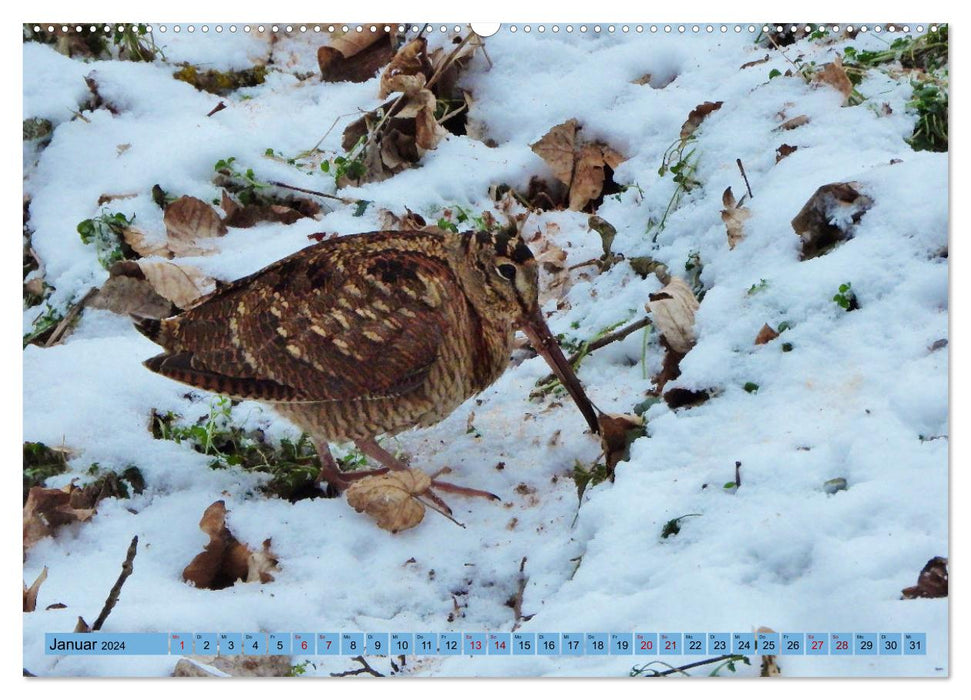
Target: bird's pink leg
[{"x": 331, "y": 474}]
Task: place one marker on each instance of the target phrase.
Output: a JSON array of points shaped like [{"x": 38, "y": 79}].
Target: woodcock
[{"x": 367, "y": 334}]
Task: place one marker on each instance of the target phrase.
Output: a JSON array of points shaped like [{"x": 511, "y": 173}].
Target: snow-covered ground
[{"x": 855, "y": 398}]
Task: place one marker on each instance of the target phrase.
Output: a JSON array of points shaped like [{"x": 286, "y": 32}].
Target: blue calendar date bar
[{"x": 106, "y": 644}]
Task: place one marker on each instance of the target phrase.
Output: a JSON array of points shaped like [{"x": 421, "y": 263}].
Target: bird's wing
[{"x": 331, "y": 322}]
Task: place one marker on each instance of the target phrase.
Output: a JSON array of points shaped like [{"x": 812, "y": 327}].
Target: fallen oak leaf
[
  {"x": 834, "y": 75},
  {"x": 734, "y": 216},
  {"x": 391, "y": 498},
  {"x": 30, "y": 594},
  {"x": 673, "y": 314},
  {"x": 225, "y": 560},
  {"x": 588, "y": 176},
  {"x": 127, "y": 292},
  {"x": 696, "y": 117},
  {"x": 48, "y": 509}
]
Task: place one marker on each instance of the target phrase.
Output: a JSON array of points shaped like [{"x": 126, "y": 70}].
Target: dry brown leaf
[
  {"x": 829, "y": 216},
  {"x": 180, "y": 284},
  {"x": 244, "y": 216},
  {"x": 793, "y": 123},
  {"x": 428, "y": 132},
  {"x": 127, "y": 292},
  {"x": 673, "y": 314},
  {"x": 766, "y": 334},
  {"x": 557, "y": 149},
  {"x": 30, "y": 594},
  {"x": 697, "y": 116},
  {"x": 410, "y": 221},
  {"x": 145, "y": 244},
  {"x": 552, "y": 261},
  {"x": 932, "y": 582},
  {"x": 834, "y": 75},
  {"x": 784, "y": 150},
  {"x": 225, "y": 560},
  {"x": 391, "y": 498},
  {"x": 189, "y": 220},
  {"x": 588, "y": 176},
  {"x": 734, "y": 216},
  {"x": 48, "y": 509},
  {"x": 351, "y": 43},
  {"x": 354, "y": 56},
  {"x": 617, "y": 432},
  {"x": 408, "y": 71}
]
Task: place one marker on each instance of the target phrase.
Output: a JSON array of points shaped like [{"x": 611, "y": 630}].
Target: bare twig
[
  {"x": 69, "y": 318},
  {"x": 741, "y": 168},
  {"x": 651, "y": 673},
  {"x": 365, "y": 668},
  {"x": 218, "y": 108},
  {"x": 618, "y": 334},
  {"x": 343, "y": 200},
  {"x": 126, "y": 570},
  {"x": 738, "y": 474},
  {"x": 517, "y": 599}
]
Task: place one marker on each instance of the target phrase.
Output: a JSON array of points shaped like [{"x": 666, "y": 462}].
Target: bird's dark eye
[{"x": 507, "y": 271}]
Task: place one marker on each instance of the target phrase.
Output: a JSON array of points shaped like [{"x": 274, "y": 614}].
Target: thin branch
[
  {"x": 69, "y": 317},
  {"x": 741, "y": 169},
  {"x": 694, "y": 664},
  {"x": 343, "y": 200},
  {"x": 517, "y": 599},
  {"x": 126, "y": 570},
  {"x": 587, "y": 348},
  {"x": 365, "y": 668}
]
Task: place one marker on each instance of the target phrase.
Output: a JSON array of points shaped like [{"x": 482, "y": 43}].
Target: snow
[{"x": 855, "y": 398}]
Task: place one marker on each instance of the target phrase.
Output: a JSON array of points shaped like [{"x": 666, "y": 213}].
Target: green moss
[{"x": 220, "y": 82}]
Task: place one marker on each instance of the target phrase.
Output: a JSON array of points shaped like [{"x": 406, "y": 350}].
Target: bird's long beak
[{"x": 535, "y": 328}]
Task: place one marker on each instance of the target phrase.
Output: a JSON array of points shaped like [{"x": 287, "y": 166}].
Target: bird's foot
[{"x": 373, "y": 450}]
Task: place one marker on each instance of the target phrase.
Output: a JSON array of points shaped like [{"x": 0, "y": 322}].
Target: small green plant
[
  {"x": 299, "y": 669},
  {"x": 751, "y": 387},
  {"x": 44, "y": 324},
  {"x": 293, "y": 465},
  {"x": 845, "y": 297},
  {"x": 106, "y": 233},
  {"x": 673, "y": 526},
  {"x": 40, "y": 463},
  {"x": 456, "y": 214},
  {"x": 759, "y": 286},
  {"x": 585, "y": 477},
  {"x": 929, "y": 100},
  {"x": 729, "y": 663},
  {"x": 682, "y": 163},
  {"x": 135, "y": 43},
  {"x": 774, "y": 73},
  {"x": 349, "y": 166}
]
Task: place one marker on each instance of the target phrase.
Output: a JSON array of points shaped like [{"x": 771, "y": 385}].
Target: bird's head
[{"x": 505, "y": 280}]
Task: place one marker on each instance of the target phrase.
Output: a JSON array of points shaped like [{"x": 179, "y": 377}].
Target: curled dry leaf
[
  {"x": 766, "y": 334},
  {"x": 829, "y": 216},
  {"x": 391, "y": 498},
  {"x": 793, "y": 123},
  {"x": 673, "y": 314},
  {"x": 189, "y": 220},
  {"x": 697, "y": 116},
  {"x": 588, "y": 176},
  {"x": 784, "y": 150},
  {"x": 225, "y": 560},
  {"x": 932, "y": 582},
  {"x": 734, "y": 216},
  {"x": 180, "y": 284},
  {"x": 48, "y": 509},
  {"x": 145, "y": 244},
  {"x": 244, "y": 216},
  {"x": 617, "y": 432},
  {"x": 30, "y": 594},
  {"x": 834, "y": 75},
  {"x": 408, "y": 71}
]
